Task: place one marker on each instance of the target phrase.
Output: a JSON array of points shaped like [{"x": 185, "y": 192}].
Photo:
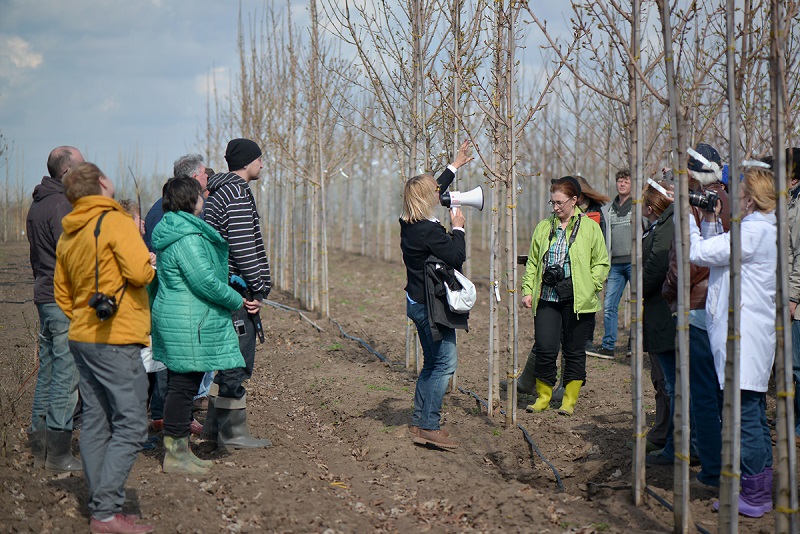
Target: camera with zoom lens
[
  {"x": 705, "y": 200},
  {"x": 104, "y": 306},
  {"x": 553, "y": 274}
]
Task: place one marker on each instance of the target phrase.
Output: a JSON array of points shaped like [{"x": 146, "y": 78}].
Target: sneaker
[
  {"x": 656, "y": 458},
  {"x": 700, "y": 489},
  {"x": 119, "y": 524},
  {"x": 195, "y": 427},
  {"x": 603, "y": 353},
  {"x": 435, "y": 438},
  {"x": 156, "y": 425},
  {"x": 649, "y": 446}
]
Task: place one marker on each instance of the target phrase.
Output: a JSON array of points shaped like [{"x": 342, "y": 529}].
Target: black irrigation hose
[
  {"x": 531, "y": 445},
  {"x": 668, "y": 506},
  {"x": 380, "y": 356}
]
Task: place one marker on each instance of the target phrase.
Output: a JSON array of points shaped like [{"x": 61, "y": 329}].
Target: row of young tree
[{"x": 373, "y": 92}]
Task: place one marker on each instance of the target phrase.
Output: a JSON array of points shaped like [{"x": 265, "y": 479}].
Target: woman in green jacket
[
  {"x": 567, "y": 265},
  {"x": 191, "y": 314}
]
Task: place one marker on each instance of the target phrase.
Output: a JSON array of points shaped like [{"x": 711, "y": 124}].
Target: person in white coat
[{"x": 757, "y": 199}]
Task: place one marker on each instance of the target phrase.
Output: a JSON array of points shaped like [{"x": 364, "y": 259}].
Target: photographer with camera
[
  {"x": 102, "y": 270},
  {"x": 566, "y": 268},
  {"x": 705, "y": 183},
  {"x": 759, "y": 257}
]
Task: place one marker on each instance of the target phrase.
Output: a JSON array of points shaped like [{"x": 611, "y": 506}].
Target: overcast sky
[
  {"x": 114, "y": 77},
  {"x": 111, "y": 77}
]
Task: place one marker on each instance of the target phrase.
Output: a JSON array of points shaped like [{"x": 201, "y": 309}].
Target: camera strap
[
  {"x": 124, "y": 286},
  {"x": 572, "y": 237}
]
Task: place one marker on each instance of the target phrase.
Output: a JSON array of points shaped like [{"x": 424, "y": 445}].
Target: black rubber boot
[
  {"x": 37, "y": 441},
  {"x": 59, "y": 453},
  {"x": 210, "y": 428},
  {"x": 526, "y": 383},
  {"x": 233, "y": 433}
]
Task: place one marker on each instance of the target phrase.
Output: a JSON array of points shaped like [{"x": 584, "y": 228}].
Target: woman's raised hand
[
  {"x": 464, "y": 155},
  {"x": 457, "y": 218}
]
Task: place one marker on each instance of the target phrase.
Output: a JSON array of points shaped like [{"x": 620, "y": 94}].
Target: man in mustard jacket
[{"x": 102, "y": 270}]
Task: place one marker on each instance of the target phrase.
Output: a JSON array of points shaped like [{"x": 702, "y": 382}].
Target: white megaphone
[{"x": 455, "y": 199}]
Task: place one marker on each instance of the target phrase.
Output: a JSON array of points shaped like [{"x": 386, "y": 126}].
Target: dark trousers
[
  {"x": 230, "y": 380},
  {"x": 181, "y": 389},
  {"x": 157, "y": 392},
  {"x": 552, "y": 320},
  {"x": 662, "y": 428}
]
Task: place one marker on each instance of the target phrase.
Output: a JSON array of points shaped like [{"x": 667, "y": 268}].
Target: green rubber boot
[
  {"x": 178, "y": 458},
  {"x": 545, "y": 393}
]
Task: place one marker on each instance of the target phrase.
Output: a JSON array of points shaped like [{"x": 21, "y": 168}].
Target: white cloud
[
  {"x": 107, "y": 105},
  {"x": 19, "y": 52}
]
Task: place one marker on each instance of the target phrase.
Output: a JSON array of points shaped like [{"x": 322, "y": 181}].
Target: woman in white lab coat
[{"x": 757, "y": 199}]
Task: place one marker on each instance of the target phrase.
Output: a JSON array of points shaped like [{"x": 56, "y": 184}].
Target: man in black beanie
[{"x": 231, "y": 210}]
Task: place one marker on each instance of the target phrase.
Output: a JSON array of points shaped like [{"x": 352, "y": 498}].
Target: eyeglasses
[{"x": 558, "y": 203}]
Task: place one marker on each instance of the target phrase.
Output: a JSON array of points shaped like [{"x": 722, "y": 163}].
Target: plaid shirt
[{"x": 557, "y": 254}]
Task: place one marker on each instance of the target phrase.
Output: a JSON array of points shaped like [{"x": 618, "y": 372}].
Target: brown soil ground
[{"x": 342, "y": 461}]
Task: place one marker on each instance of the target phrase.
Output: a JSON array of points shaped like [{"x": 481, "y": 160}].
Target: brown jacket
[{"x": 699, "y": 275}]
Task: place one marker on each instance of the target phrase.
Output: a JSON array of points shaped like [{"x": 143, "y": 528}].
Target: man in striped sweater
[{"x": 231, "y": 210}]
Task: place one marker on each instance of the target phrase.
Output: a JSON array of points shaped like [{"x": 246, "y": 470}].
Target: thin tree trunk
[
  {"x": 637, "y": 353},
  {"x": 786, "y": 467},
  {"x": 682, "y": 510}
]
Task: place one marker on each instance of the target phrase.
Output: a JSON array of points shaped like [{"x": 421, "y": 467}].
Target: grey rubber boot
[
  {"x": 210, "y": 424},
  {"x": 526, "y": 383},
  {"x": 59, "y": 453},
  {"x": 233, "y": 433},
  {"x": 37, "y": 441}
]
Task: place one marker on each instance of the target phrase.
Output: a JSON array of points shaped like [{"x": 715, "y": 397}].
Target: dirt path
[{"x": 342, "y": 461}]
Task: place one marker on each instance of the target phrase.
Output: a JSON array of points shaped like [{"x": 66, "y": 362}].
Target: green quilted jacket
[{"x": 191, "y": 312}]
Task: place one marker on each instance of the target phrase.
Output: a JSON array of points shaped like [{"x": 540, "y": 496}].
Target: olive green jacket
[{"x": 588, "y": 259}]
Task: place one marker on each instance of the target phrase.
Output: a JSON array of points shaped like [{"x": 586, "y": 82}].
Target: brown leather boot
[
  {"x": 435, "y": 438},
  {"x": 414, "y": 430}
]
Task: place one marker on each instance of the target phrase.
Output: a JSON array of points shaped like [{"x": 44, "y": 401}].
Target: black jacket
[
  {"x": 437, "y": 272},
  {"x": 659, "y": 325},
  {"x": 421, "y": 239},
  {"x": 43, "y": 227}
]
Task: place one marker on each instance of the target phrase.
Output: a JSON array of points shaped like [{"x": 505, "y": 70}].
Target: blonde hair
[
  {"x": 656, "y": 199},
  {"x": 420, "y": 196},
  {"x": 759, "y": 184},
  {"x": 81, "y": 181}
]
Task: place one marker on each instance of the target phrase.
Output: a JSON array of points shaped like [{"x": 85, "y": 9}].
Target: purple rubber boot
[
  {"x": 755, "y": 498},
  {"x": 755, "y": 495}
]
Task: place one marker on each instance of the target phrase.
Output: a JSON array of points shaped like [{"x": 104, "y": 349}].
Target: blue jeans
[
  {"x": 668, "y": 361},
  {"x": 706, "y": 406},
  {"x": 756, "y": 441},
  {"x": 796, "y": 373},
  {"x": 439, "y": 364},
  {"x": 618, "y": 276},
  {"x": 56, "y": 393},
  {"x": 205, "y": 385}
]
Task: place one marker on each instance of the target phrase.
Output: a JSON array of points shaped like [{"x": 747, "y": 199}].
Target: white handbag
[{"x": 461, "y": 301}]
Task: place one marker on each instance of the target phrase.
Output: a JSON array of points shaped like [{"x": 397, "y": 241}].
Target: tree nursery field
[{"x": 342, "y": 460}]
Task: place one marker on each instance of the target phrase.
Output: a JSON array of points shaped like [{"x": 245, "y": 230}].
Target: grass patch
[
  {"x": 334, "y": 347},
  {"x": 376, "y": 387}
]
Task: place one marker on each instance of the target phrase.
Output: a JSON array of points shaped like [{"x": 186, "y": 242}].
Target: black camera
[
  {"x": 104, "y": 306},
  {"x": 553, "y": 274},
  {"x": 705, "y": 200}
]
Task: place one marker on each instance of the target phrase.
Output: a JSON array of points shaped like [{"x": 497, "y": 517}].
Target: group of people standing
[
  {"x": 101, "y": 293},
  {"x": 582, "y": 244}
]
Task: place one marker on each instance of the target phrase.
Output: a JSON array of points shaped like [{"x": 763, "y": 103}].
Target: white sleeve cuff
[
  {"x": 458, "y": 228},
  {"x": 453, "y": 169}
]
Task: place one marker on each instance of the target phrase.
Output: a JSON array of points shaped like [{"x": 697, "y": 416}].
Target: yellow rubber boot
[
  {"x": 545, "y": 393},
  {"x": 571, "y": 391}
]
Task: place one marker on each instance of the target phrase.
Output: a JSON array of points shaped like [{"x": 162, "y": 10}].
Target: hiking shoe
[
  {"x": 435, "y": 438},
  {"x": 413, "y": 431},
  {"x": 119, "y": 524},
  {"x": 700, "y": 489},
  {"x": 603, "y": 353},
  {"x": 656, "y": 458},
  {"x": 195, "y": 427},
  {"x": 156, "y": 425}
]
